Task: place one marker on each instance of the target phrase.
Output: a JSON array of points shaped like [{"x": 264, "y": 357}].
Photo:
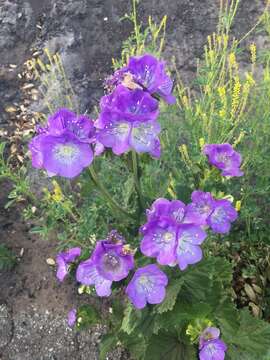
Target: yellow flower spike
[
  {"x": 201, "y": 142},
  {"x": 250, "y": 79},
  {"x": 225, "y": 41},
  {"x": 211, "y": 56},
  {"x": 57, "y": 192},
  {"x": 253, "y": 52},
  {"x": 185, "y": 101},
  {"x": 222, "y": 92},
  {"x": 235, "y": 95},
  {"x": 231, "y": 59},
  {"x": 238, "y": 205},
  {"x": 239, "y": 139}
]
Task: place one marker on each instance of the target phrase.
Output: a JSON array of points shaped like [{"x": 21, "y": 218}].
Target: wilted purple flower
[
  {"x": 147, "y": 286},
  {"x": 128, "y": 121},
  {"x": 160, "y": 231},
  {"x": 63, "y": 146},
  {"x": 200, "y": 208},
  {"x": 225, "y": 158},
  {"x": 64, "y": 259},
  {"x": 72, "y": 317},
  {"x": 222, "y": 216},
  {"x": 210, "y": 333},
  {"x": 188, "y": 250},
  {"x": 109, "y": 262},
  {"x": 213, "y": 350}
]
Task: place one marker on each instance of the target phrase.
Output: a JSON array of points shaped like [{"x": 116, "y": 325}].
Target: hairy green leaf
[
  {"x": 167, "y": 345},
  {"x": 171, "y": 296},
  {"x": 108, "y": 342}
]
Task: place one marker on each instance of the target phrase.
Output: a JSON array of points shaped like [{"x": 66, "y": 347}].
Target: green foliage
[
  {"x": 168, "y": 345},
  {"x": 108, "y": 342},
  {"x": 87, "y": 316},
  {"x": 7, "y": 259}
]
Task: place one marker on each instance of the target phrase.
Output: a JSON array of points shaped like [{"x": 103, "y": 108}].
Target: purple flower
[
  {"x": 163, "y": 209},
  {"x": 149, "y": 73},
  {"x": 188, "y": 250},
  {"x": 146, "y": 73},
  {"x": 63, "y": 146},
  {"x": 160, "y": 231},
  {"x": 109, "y": 262},
  {"x": 222, "y": 216},
  {"x": 88, "y": 274},
  {"x": 147, "y": 286},
  {"x": 210, "y": 333},
  {"x": 213, "y": 350},
  {"x": 128, "y": 121},
  {"x": 225, "y": 158},
  {"x": 64, "y": 259},
  {"x": 72, "y": 317},
  {"x": 130, "y": 105},
  {"x": 159, "y": 241},
  {"x": 200, "y": 208}
]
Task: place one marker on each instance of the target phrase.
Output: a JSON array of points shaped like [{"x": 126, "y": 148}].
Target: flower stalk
[
  {"x": 137, "y": 184},
  {"x": 106, "y": 194}
]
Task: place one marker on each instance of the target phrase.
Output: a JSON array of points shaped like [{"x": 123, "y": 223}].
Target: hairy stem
[
  {"x": 136, "y": 178},
  {"x": 106, "y": 194}
]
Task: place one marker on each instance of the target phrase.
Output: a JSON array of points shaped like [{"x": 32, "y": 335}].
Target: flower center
[
  {"x": 145, "y": 284},
  {"x": 111, "y": 262},
  {"x": 163, "y": 238},
  {"x": 219, "y": 215},
  {"x": 225, "y": 159},
  {"x": 66, "y": 153}
]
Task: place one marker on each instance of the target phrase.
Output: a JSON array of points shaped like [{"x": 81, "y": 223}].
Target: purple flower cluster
[
  {"x": 167, "y": 238},
  {"x": 173, "y": 234},
  {"x": 112, "y": 260},
  {"x": 225, "y": 158},
  {"x": 128, "y": 120},
  {"x": 128, "y": 115},
  {"x": 210, "y": 346},
  {"x": 174, "y": 231},
  {"x": 146, "y": 73}
]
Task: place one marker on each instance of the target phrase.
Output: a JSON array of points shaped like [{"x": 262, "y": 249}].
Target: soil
[{"x": 87, "y": 33}]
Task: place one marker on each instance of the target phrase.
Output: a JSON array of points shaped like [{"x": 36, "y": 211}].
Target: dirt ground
[{"x": 88, "y": 33}]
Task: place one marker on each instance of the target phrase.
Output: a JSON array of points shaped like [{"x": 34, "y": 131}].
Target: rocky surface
[{"x": 87, "y": 33}]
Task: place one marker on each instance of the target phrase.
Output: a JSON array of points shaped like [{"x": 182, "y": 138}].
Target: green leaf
[
  {"x": 171, "y": 296},
  {"x": 131, "y": 319},
  {"x": 143, "y": 320},
  {"x": 88, "y": 316},
  {"x": 183, "y": 312},
  {"x": 166, "y": 345},
  {"x": 108, "y": 342},
  {"x": 7, "y": 259},
  {"x": 135, "y": 343},
  {"x": 251, "y": 340}
]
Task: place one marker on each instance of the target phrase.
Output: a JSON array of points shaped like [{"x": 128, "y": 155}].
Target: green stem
[
  {"x": 106, "y": 194},
  {"x": 137, "y": 179}
]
